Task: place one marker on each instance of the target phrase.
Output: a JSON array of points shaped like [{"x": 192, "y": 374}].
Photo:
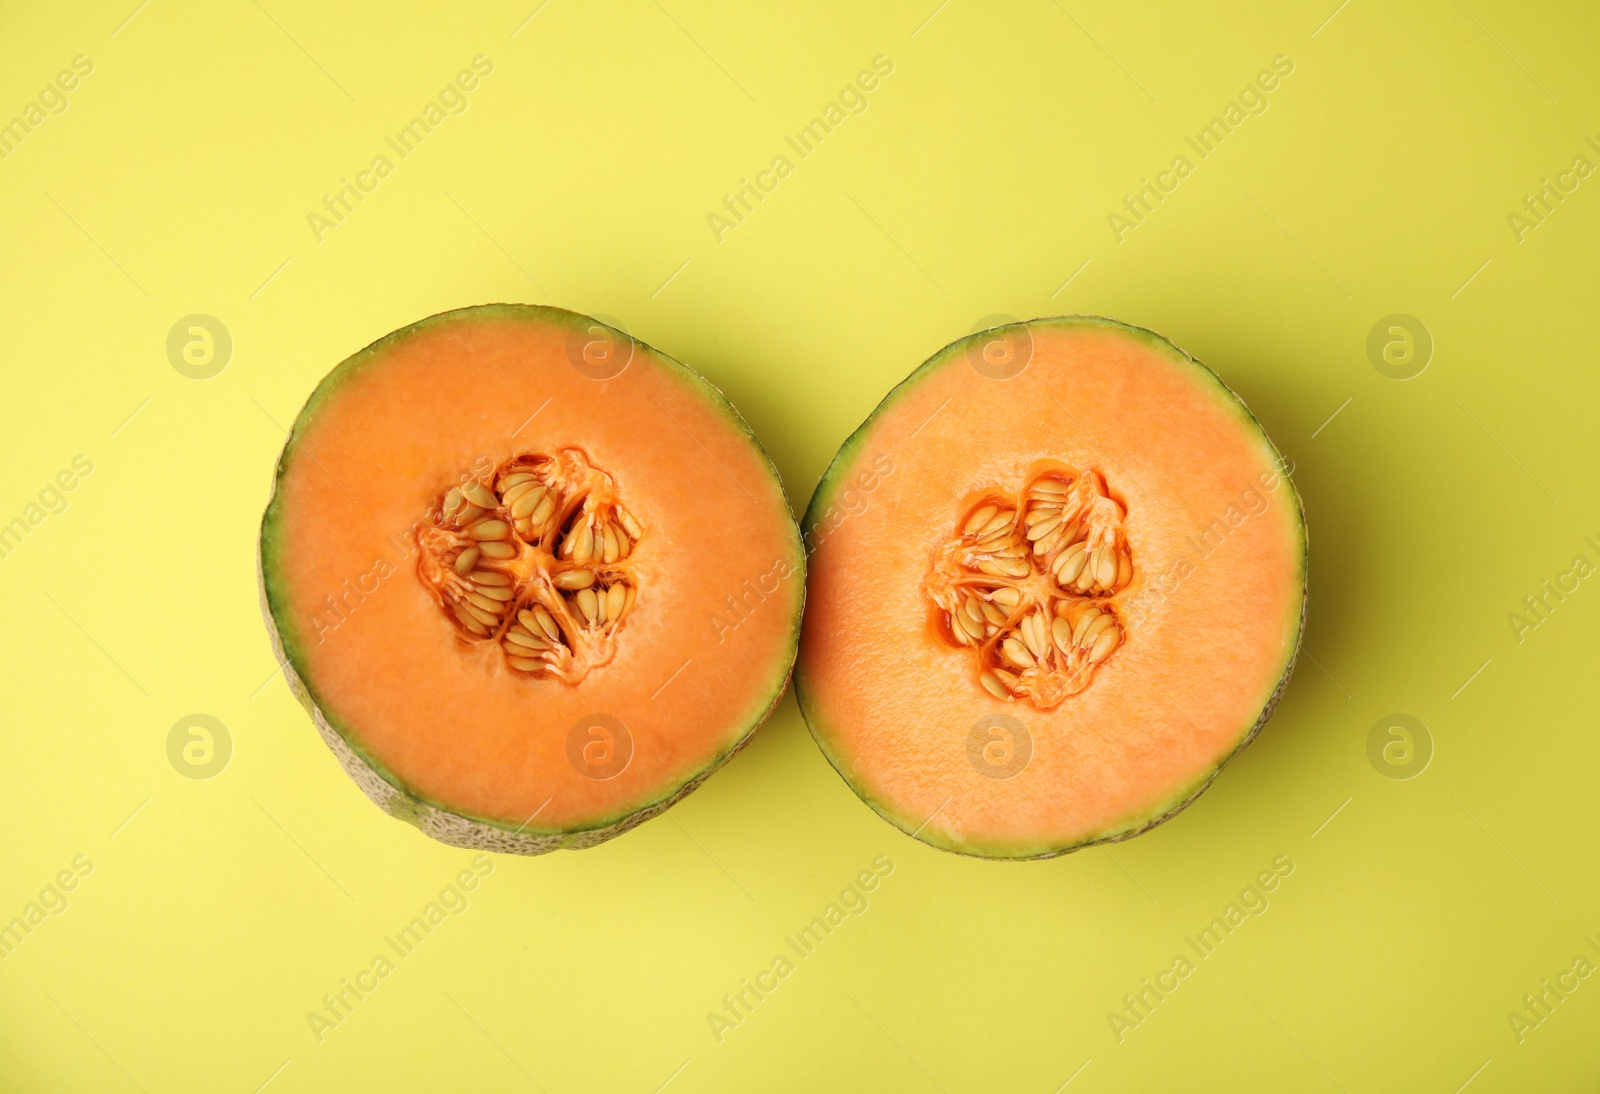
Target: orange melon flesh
[
  {"x": 1208, "y": 644},
  {"x": 445, "y": 721}
]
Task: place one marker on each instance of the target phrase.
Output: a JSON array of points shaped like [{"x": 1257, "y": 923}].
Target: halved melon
[
  {"x": 533, "y": 579},
  {"x": 1057, "y": 580}
]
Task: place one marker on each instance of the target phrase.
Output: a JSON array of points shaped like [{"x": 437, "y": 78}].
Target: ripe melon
[
  {"x": 1057, "y": 580},
  {"x": 533, "y": 580}
]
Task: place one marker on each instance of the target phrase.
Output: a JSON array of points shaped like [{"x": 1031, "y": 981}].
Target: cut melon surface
[
  {"x": 533, "y": 580},
  {"x": 1057, "y": 580}
]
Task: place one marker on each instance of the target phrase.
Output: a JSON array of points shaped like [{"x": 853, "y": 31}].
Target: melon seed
[
  {"x": 1033, "y": 634},
  {"x": 1104, "y": 621},
  {"x": 1064, "y": 527},
  {"x": 1014, "y": 652},
  {"x": 1045, "y": 527},
  {"x": 957, "y": 631},
  {"x": 519, "y": 636},
  {"x": 579, "y": 546},
  {"x": 982, "y": 517},
  {"x": 468, "y": 621},
  {"x": 588, "y": 606},
  {"x": 489, "y": 529},
  {"x": 616, "y": 601},
  {"x": 526, "y": 502},
  {"x": 1103, "y": 646},
  {"x": 1105, "y": 568},
  {"x": 1070, "y": 563},
  {"x": 512, "y": 516},
  {"x": 999, "y": 522},
  {"x": 510, "y": 495},
  {"x": 478, "y": 600},
  {"x": 630, "y": 525},
  {"x": 1084, "y": 622},
  {"x": 487, "y": 618},
  {"x": 479, "y": 494}
]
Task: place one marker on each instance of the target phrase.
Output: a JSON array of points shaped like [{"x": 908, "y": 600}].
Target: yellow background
[{"x": 978, "y": 182}]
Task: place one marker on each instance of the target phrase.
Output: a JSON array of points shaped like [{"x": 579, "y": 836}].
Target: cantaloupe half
[
  {"x": 1057, "y": 580},
  {"x": 533, "y": 579}
]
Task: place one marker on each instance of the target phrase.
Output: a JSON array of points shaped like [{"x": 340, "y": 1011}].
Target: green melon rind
[
  {"x": 436, "y": 819},
  {"x": 838, "y": 472}
]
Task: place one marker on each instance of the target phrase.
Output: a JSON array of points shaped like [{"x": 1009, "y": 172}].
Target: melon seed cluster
[
  {"x": 1025, "y": 584},
  {"x": 536, "y": 561}
]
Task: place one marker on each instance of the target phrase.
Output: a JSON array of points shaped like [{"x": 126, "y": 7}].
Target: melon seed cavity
[
  {"x": 535, "y": 562},
  {"x": 1026, "y": 584}
]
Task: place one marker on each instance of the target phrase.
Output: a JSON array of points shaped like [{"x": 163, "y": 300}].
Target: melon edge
[
  {"x": 843, "y": 460},
  {"x": 383, "y": 789}
]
